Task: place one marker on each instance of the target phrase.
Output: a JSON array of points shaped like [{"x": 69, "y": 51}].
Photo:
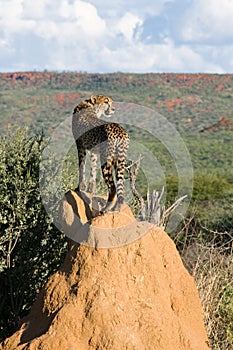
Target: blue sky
[{"x": 128, "y": 36}]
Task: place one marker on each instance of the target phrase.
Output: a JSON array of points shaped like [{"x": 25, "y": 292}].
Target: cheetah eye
[{"x": 106, "y": 101}]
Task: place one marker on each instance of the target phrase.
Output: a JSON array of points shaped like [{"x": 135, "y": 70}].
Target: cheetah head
[{"x": 103, "y": 105}]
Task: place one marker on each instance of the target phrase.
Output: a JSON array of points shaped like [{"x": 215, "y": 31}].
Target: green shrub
[
  {"x": 210, "y": 187},
  {"x": 30, "y": 246}
]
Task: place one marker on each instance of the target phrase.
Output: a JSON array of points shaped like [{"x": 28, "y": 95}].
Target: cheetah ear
[{"x": 93, "y": 99}]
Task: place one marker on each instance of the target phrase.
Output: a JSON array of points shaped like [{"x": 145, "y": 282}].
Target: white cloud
[
  {"x": 209, "y": 21},
  {"x": 11, "y": 9},
  {"x": 11, "y": 18},
  {"x": 118, "y": 8},
  {"x": 35, "y": 11},
  {"x": 100, "y": 36},
  {"x": 85, "y": 16},
  {"x": 157, "y": 58},
  {"x": 47, "y": 21},
  {"x": 128, "y": 25}
]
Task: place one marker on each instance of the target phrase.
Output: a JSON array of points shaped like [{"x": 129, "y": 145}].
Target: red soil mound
[{"x": 136, "y": 296}]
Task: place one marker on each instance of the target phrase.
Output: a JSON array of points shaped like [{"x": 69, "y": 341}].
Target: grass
[{"x": 211, "y": 266}]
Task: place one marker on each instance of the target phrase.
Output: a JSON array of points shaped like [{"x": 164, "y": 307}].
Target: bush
[
  {"x": 208, "y": 187},
  {"x": 31, "y": 248}
]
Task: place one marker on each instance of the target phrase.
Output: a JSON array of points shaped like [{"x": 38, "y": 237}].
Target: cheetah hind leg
[
  {"x": 108, "y": 178},
  {"x": 119, "y": 205},
  {"x": 119, "y": 166}
]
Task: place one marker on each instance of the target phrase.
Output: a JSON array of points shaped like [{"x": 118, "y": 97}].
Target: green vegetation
[
  {"x": 31, "y": 248},
  {"x": 200, "y": 107}
]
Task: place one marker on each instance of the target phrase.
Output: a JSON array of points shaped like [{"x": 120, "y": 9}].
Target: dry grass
[{"x": 212, "y": 267}]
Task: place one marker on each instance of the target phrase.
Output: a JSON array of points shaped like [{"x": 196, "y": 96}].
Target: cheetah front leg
[
  {"x": 82, "y": 164},
  {"x": 92, "y": 180}
]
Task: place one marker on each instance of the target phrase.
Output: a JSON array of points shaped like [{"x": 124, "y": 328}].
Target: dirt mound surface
[{"x": 136, "y": 296}]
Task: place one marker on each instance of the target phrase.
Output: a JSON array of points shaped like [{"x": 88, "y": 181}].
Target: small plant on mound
[{"x": 152, "y": 209}]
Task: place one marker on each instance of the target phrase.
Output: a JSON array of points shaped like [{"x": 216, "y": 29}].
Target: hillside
[
  {"x": 192, "y": 102},
  {"x": 199, "y": 105}
]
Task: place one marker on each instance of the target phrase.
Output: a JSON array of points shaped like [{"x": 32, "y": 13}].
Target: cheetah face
[{"x": 103, "y": 105}]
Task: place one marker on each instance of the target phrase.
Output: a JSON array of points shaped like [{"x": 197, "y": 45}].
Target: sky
[{"x": 100, "y": 36}]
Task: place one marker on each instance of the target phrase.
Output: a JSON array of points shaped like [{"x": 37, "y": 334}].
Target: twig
[{"x": 136, "y": 194}]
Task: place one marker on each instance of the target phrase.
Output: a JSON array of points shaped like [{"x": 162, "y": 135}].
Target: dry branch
[{"x": 153, "y": 210}]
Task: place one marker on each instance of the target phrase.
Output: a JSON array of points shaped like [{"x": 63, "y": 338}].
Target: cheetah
[{"x": 108, "y": 139}]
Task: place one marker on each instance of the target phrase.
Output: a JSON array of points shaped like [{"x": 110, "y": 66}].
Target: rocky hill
[{"x": 135, "y": 294}]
